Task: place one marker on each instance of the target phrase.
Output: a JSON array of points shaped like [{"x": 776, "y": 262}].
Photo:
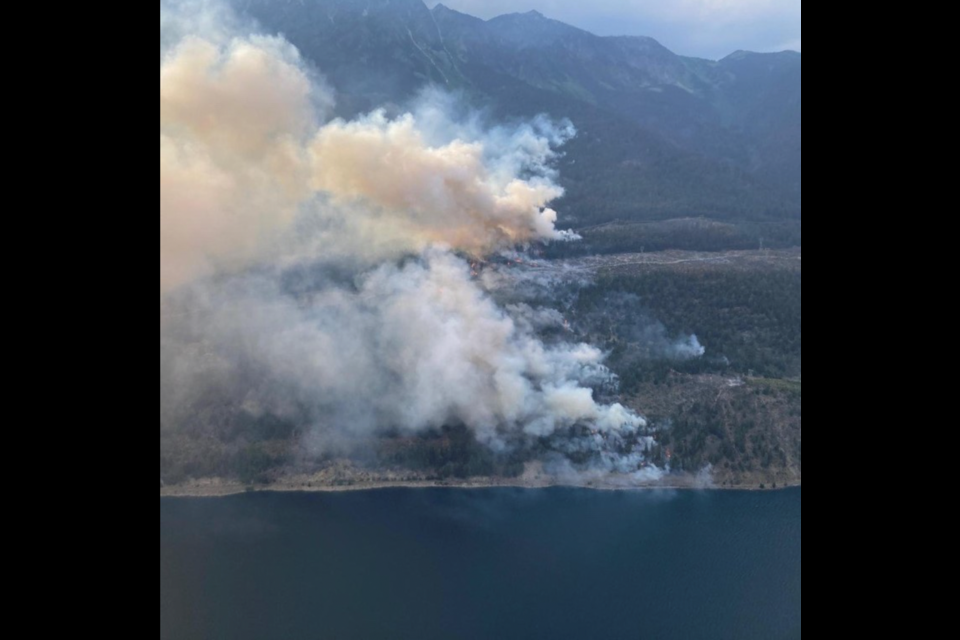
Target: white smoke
[
  {"x": 535, "y": 320},
  {"x": 414, "y": 347},
  {"x": 606, "y": 466},
  {"x": 645, "y": 337},
  {"x": 313, "y": 269},
  {"x": 688, "y": 348},
  {"x": 245, "y": 150}
]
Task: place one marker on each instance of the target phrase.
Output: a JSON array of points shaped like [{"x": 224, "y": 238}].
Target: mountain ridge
[{"x": 661, "y": 135}]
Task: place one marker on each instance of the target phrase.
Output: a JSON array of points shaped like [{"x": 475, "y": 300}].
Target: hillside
[
  {"x": 361, "y": 306},
  {"x": 737, "y": 410},
  {"x": 661, "y": 136}
]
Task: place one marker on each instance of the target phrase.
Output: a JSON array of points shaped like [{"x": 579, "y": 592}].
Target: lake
[{"x": 496, "y": 564}]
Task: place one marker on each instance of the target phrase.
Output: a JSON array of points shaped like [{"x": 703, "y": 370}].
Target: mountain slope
[{"x": 661, "y": 136}]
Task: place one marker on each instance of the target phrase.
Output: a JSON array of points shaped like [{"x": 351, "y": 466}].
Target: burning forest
[{"x": 354, "y": 290}]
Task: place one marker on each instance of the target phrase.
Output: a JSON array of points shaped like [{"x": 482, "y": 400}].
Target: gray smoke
[
  {"x": 410, "y": 347},
  {"x": 646, "y": 338},
  {"x": 325, "y": 272}
]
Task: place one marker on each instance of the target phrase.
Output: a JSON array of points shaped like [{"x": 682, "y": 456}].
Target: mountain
[{"x": 661, "y": 136}]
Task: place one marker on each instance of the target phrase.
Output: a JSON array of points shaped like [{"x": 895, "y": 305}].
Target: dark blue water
[{"x": 493, "y": 565}]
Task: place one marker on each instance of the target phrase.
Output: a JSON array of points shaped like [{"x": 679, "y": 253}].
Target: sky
[{"x": 704, "y": 28}]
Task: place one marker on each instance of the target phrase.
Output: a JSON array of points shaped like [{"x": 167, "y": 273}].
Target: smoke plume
[
  {"x": 244, "y": 151},
  {"x": 320, "y": 270}
]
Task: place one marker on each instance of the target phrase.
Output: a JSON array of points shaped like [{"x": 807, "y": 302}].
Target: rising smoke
[
  {"x": 645, "y": 337},
  {"x": 244, "y": 151},
  {"x": 320, "y": 270}
]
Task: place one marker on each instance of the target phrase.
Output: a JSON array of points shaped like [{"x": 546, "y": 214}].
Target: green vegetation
[
  {"x": 672, "y": 154},
  {"x": 685, "y": 234},
  {"x": 791, "y": 387},
  {"x": 237, "y": 445},
  {"x": 737, "y": 409},
  {"x": 452, "y": 452},
  {"x": 750, "y": 321},
  {"x": 742, "y": 432}
]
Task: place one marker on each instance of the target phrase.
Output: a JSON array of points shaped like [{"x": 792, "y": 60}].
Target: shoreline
[{"x": 223, "y": 489}]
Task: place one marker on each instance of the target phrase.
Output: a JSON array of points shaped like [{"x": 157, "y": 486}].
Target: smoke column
[
  {"x": 244, "y": 151},
  {"x": 318, "y": 270}
]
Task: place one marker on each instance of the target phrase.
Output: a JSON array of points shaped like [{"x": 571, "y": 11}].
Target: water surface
[{"x": 496, "y": 564}]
